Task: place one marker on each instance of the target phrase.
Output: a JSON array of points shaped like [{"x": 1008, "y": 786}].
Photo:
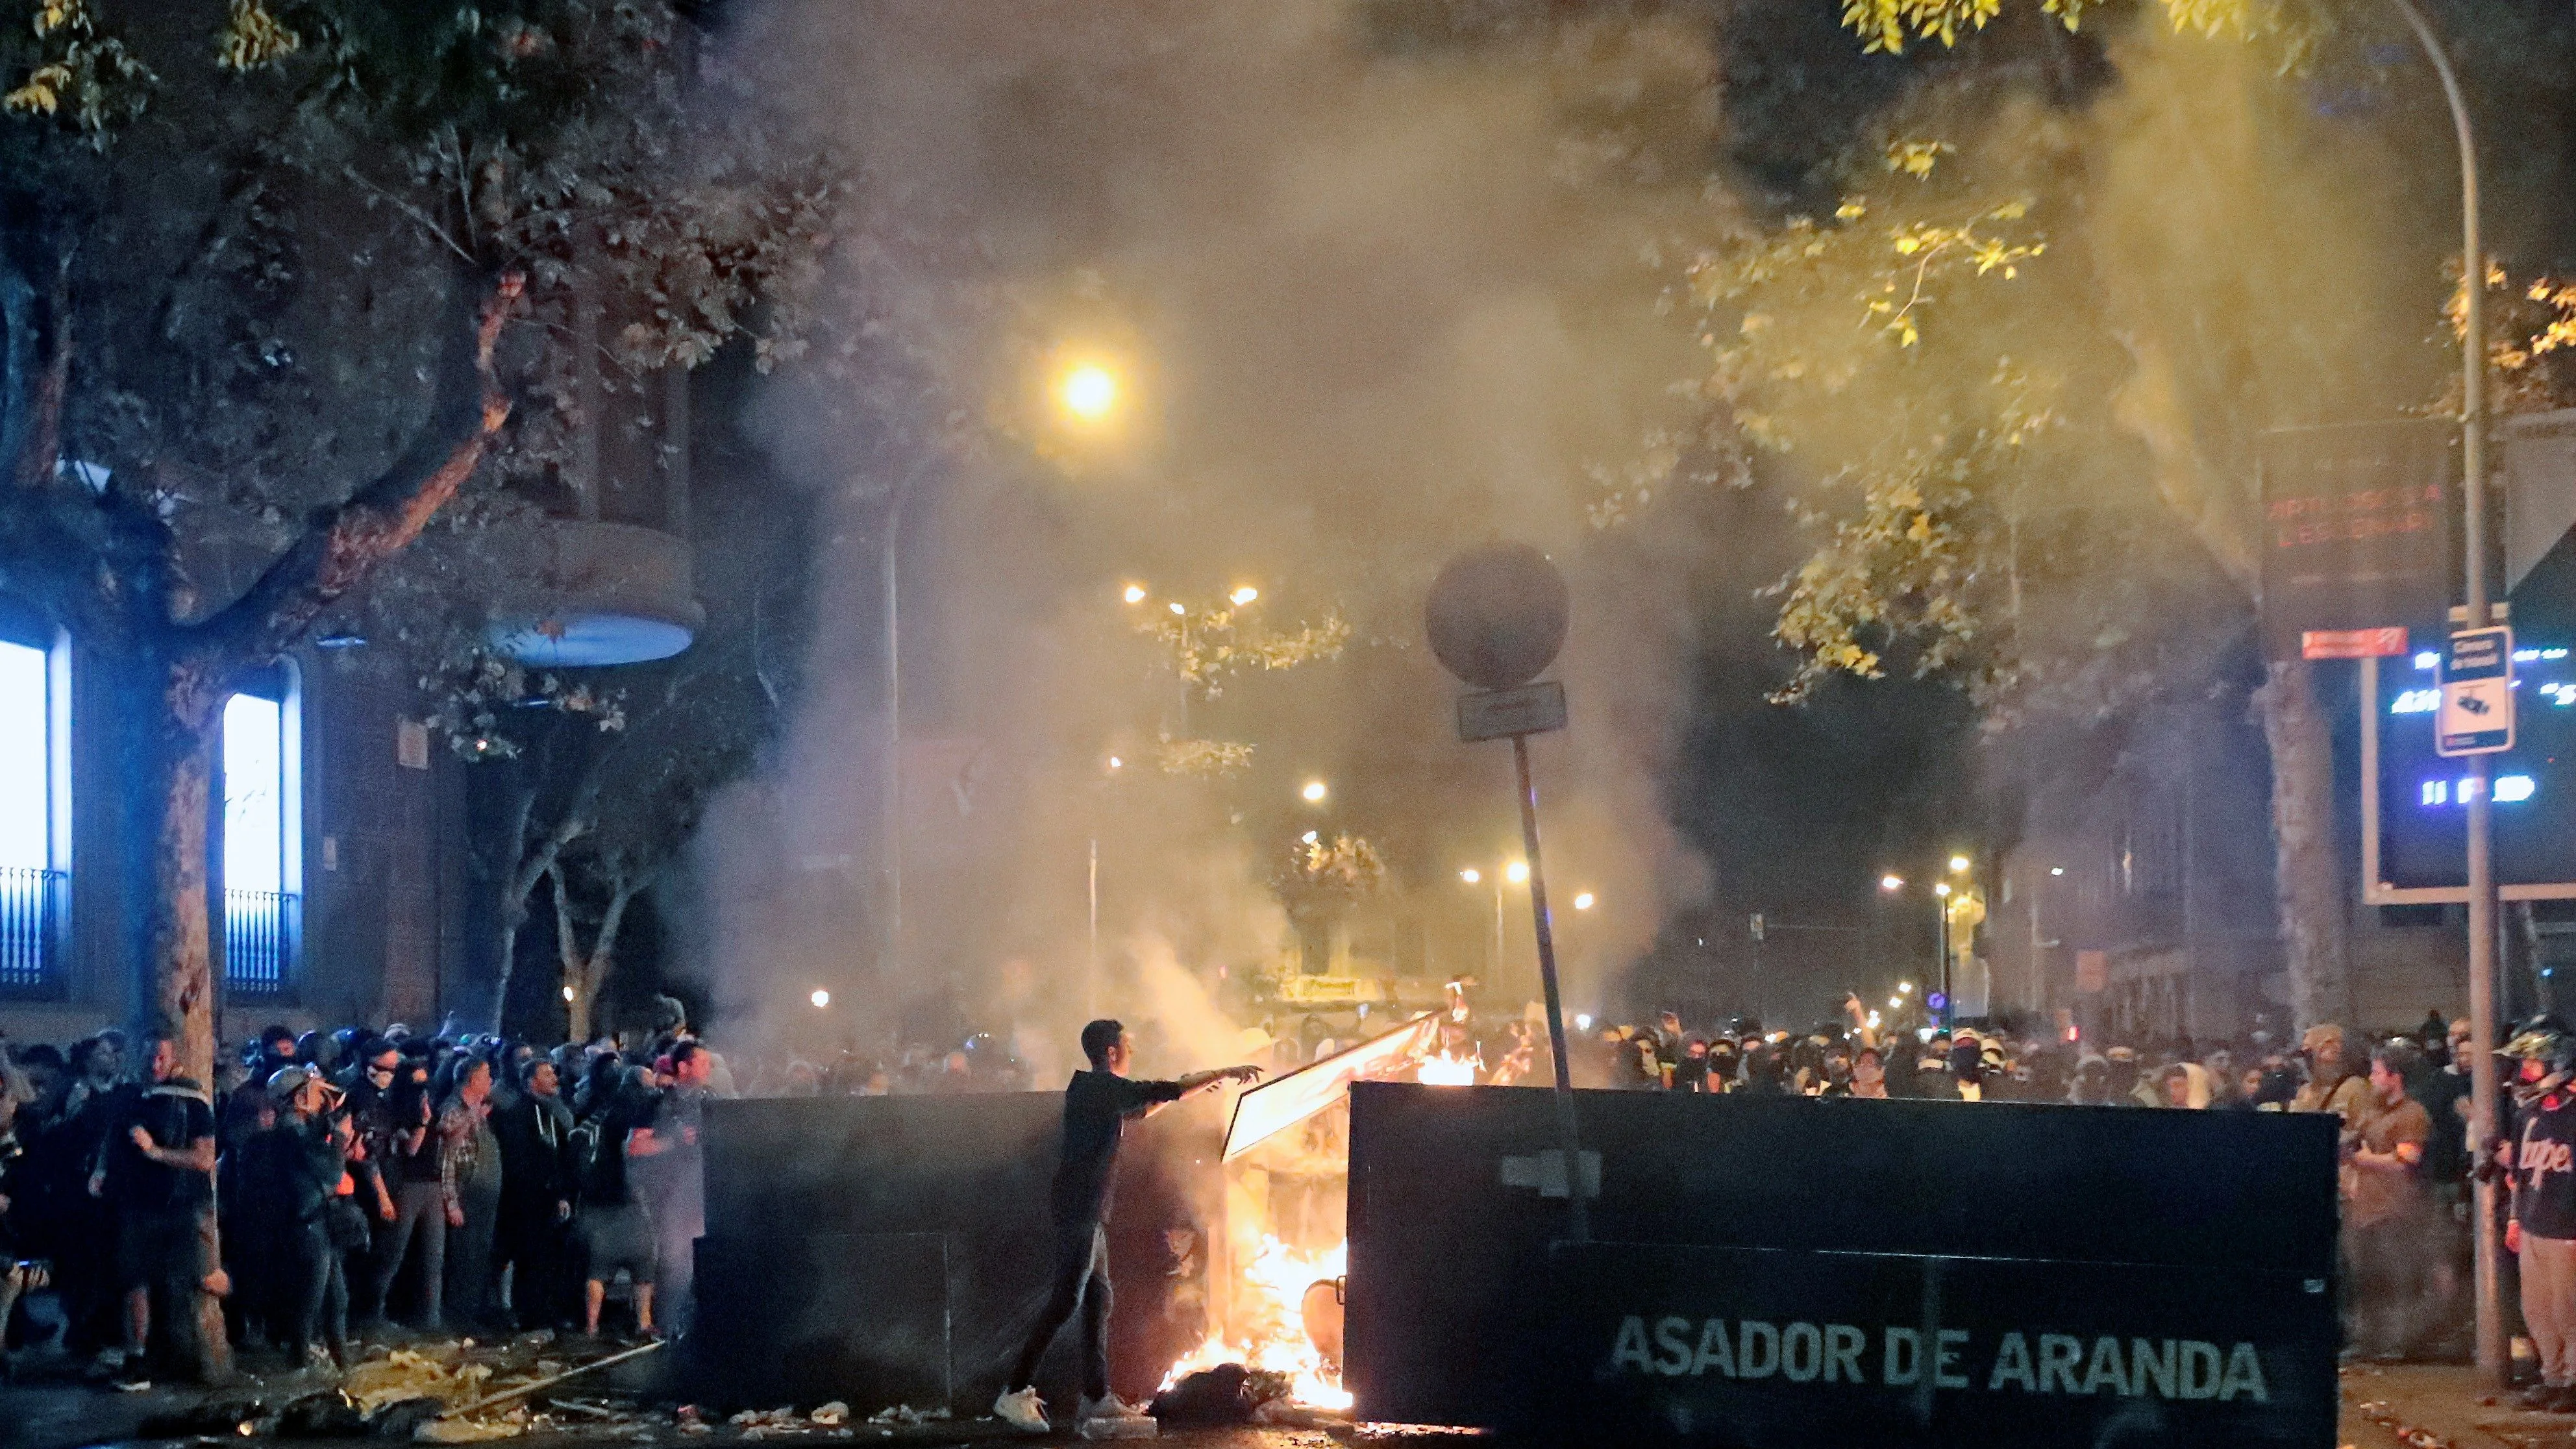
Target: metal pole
[
  {"x": 890, "y": 956},
  {"x": 1941, "y": 954},
  {"x": 1578, "y": 1213},
  {"x": 1091, "y": 963},
  {"x": 2492, "y": 1362},
  {"x": 1498, "y": 925}
]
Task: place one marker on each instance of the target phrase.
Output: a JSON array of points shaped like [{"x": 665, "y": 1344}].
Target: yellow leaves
[
  {"x": 253, "y": 38},
  {"x": 1852, "y": 209},
  {"x": 1916, "y": 158},
  {"x": 42, "y": 94},
  {"x": 55, "y": 15},
  {"x": 1883, "y": 25}
]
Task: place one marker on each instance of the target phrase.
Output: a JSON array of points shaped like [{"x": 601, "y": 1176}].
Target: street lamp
[
  {"x": 1959, "y": 865},
  {"x": 1242, "y": 596},
  {"x": 820, "y": 998},
  {"x": 1517, "y": 872},
  {"x": 1088, "y": 391},
  {"x": 1583, "y": 900},
  {"x": 1134, "y": 593},
  {"x": 1314, "y": 792}
]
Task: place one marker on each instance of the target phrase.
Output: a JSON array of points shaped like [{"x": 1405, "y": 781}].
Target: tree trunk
[
  {"x": 167, "y": 775},
  {"x": 2308, "y": 876}
]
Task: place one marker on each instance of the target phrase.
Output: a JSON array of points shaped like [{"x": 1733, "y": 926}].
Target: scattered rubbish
[
  {"x": 402, "y": 1418},
  {"x": 785, "y": 1418},
  {"x": 832, "y": 1415},
  {"x": 1118, "y": 1428},
  {"x": 903, "y": 1414},
  {"x": 408, "y": 1374},
  {"x": 1226, "y": 1394},
  {"x": 446, "y": 1430}
]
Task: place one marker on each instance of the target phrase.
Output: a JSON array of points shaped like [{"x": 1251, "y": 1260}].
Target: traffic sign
[
  {"x": 1493, "y": 714},
  {"x": 2353, "y": 643},
  {"x": 2477, "y": 694}
]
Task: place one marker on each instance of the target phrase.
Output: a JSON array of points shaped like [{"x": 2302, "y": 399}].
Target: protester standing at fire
[{"x": 1097, "y": 1105}]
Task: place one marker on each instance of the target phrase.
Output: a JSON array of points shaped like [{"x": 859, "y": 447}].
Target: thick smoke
[{"x": 1379, "y": 294}]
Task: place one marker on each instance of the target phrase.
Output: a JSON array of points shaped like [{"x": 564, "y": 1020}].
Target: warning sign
[{"x": 2477, "y": 694}]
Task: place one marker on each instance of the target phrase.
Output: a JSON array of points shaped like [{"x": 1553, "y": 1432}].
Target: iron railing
[
  {"x": 31, "y": 906},
  {"x": 259, "y": 941}
]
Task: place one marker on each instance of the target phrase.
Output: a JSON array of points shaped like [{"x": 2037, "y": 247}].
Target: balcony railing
[
  {"x": 259, "y": 941},
  {"x": 31, "y": 906}
]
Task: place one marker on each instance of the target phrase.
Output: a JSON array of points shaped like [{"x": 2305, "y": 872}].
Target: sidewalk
[{"x": 2439, "y": 1406}]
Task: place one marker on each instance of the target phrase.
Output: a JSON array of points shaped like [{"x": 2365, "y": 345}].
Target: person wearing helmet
[{"x": 2541, "y": 1230}]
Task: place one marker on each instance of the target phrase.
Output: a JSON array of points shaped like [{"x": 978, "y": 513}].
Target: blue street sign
[{"x": 2476, "y": 716}]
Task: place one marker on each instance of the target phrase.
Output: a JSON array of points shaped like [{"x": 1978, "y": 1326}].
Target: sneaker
[
  {"x": 1112, "y": 1407},
  {"x": 1023, "y": 1411},
  {"x": 2538, "y": 1396}
]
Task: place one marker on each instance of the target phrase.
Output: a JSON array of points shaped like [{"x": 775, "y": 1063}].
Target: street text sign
[
  {"x": 2356, "y": 528},
  {"x": 2388, "y": 643},
  {"x": 2477, "y": 694},
  {"x": 1493, "y": 714}
]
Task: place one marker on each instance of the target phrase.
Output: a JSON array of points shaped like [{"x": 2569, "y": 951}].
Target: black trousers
[{"x": 1081, "y": 1281}]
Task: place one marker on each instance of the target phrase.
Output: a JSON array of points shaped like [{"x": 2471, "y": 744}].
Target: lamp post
[
  {"x": 2491, "y": 1358},
  {"x": 1512, "y": 873}
]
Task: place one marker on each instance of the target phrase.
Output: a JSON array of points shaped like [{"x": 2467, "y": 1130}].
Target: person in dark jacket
[
  {"x": 534, "y": 1242},
  {"x": 300, "y": 1169}
]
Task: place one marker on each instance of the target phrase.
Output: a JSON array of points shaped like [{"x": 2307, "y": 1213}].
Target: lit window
[
  {"x": 2511, "y": 788},
  {"x": 33, "y": 838},
  {"x": 261, "y": 828},
  {"x": 2437, "y": 792}
]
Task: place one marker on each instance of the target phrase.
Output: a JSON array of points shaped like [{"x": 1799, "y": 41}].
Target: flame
[
  {"x": 1270, "y": 1312},
  {"x": 1445, "y": 1070}
]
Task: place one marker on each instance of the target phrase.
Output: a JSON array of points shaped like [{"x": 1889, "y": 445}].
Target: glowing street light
[
  {"x": 1243, "y": 596},
  {"x": 1307, "y": 838},
  {"x": 1134, "y": 593},
  {"x": 1959, "y": 864},
  {"x": 1177, "y": 607},
  {"x": 1905, "y": 988},
  {"x": 1314, "y": 792},
  {"x": 1942, "y": 889},
  {"x": 1894, "y": 1003},
  {"x": 820, "y": 998},
  {"x": 1583, "y": 900},
  {"x": 1116, "y": 763},
  {"x": 2057, "y": 870},
  {"x": 1891, "y": 882},
  {"x": 1517, "y": 872},
  {"x": 1471, "y": 875},
  {"x": 1088, "y": 391}
]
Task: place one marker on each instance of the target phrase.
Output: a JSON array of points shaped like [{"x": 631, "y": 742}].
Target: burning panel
[{"x": 1283, "y": 1102}]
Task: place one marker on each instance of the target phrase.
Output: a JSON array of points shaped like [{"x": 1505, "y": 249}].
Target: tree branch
[
  {"x": 341, "y": 544},
  {"x": 567, "y": 945},
  {"x": 36, "y": 444}
]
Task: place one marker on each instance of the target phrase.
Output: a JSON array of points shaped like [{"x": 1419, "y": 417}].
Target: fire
[
  {"x": 1445, "y": 1070},
  {"x": 1269, "y": 1331}
]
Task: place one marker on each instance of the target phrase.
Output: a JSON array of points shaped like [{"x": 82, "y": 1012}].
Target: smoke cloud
[{"x": 1374, "y": 291}]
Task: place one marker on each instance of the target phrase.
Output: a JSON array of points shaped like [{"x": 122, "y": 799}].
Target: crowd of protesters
[
  {"x": 352, "y": 1182},
  {"x": 2402, "y": 1100}
]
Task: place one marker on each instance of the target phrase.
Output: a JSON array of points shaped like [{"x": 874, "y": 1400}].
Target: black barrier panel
[
  {"x": 1448, "y": 1265},
  {"x": 839, "y": 1314},
  {"x": 1765, "y": 1348},
  {"x": 787, "y": 1176}
]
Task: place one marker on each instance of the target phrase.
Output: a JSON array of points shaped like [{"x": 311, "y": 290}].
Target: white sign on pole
[{"x": 2477, "y": 694}]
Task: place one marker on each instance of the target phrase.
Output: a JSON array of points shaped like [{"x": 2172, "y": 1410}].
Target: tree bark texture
[{"x": 2308, "y": 874}]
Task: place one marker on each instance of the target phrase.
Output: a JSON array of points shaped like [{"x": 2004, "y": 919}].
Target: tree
[
  {"x": 2027, "y": 457},
  {"x": 250, "y": 252}
]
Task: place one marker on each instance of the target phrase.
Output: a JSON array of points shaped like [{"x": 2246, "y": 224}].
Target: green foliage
[
  {"x": 1211, "y": 644},
  {"x": 1326, "y": 873},
  {"x": 1887, "y": 25}
]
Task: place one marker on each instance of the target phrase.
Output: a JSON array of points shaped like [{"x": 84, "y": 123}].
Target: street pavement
[{"x": 2408, "y": 1406}]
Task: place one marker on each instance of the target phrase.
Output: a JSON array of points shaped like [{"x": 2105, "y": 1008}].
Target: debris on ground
[
  {"x": 903, "y": 1414},
  {"x": 832, "y": 1415},
  {"x": 1227, "y": 1394}
]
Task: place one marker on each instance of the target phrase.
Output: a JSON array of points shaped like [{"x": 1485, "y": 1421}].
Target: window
[
  {"x": 262, "y": 825},
  {"x": 33, "y": 813}
]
